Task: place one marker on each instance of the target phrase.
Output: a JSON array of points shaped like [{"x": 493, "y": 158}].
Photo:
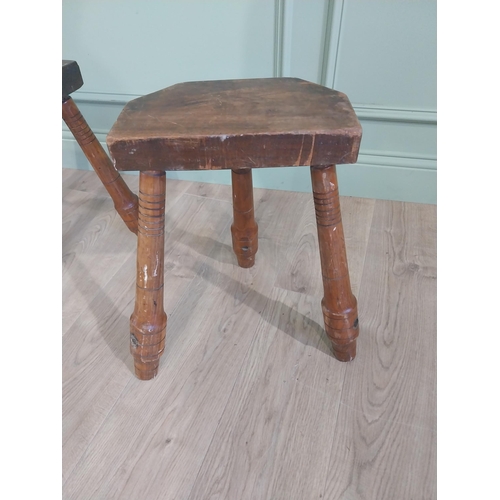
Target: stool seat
[
  {"x": 71, "y": 78},
  {"x": 236, "y": 124}
]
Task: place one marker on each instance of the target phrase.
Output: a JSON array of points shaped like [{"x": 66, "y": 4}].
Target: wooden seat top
[{"x": 266, "y": 122}]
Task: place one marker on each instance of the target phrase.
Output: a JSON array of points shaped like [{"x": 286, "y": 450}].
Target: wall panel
[{"x": 381, "y": 53}]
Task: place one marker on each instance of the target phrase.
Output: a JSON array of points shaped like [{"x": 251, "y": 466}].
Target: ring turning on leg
[
  {"x": 148, "y": 322},
  {"x": 339, "y": 304}
]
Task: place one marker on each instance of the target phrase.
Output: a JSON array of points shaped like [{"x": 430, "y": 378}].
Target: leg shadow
[
  {"x": 224, "y": 253},
  {"x": 111, "y": 321}
]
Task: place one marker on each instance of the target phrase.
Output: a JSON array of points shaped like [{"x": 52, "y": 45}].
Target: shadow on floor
[
  {"x": 312, "y": 334},
  {"x": 113, "y": 321}
]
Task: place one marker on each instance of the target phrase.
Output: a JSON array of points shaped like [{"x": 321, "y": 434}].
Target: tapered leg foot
[
  {"x": 342, "y": 328},
  {"x": 244, "y": 229},
  {"x": 146, "y": 371},
  {"x": 148, "y": 322},
  {"x": 339, "y": 305}
]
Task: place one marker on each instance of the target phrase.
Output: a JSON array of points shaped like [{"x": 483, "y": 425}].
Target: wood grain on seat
[{"x": 267, "y": 122}]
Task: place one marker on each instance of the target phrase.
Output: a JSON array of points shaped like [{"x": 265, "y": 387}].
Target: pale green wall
[{"x": 381, "y": 53}]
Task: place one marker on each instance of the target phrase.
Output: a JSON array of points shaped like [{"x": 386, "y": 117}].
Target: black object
[{"x": 71, "y": 78}]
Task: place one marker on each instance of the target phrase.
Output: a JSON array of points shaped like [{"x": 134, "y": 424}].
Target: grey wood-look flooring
[{"x": 249, "y": 402}]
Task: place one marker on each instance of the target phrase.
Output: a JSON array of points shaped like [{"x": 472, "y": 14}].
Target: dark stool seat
[
  {"x": 71, "y": 78},
  {"x": 237, "y": 125}
]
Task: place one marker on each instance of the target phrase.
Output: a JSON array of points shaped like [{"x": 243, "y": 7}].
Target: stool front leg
[
  {"x": 124, "y": 200},
  {"x": 339, "y": 304},
  {"x": 244, "y": 229},
  {"x": 148, "y": 322}
]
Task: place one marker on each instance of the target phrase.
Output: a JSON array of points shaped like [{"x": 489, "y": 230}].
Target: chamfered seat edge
[{"x": 232, "y": 124}]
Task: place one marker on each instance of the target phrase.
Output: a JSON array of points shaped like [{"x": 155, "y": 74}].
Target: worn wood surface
[
  {"x": 244, "y": 229},
  {"x": 339, "y": 305},
  {"x": 262, "y": 122},
  {"x": 248, "y": 402},
  {"x": 148, "y": 322}
]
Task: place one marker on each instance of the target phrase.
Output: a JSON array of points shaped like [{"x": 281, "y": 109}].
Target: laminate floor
[{"x": 249, "y": 402}]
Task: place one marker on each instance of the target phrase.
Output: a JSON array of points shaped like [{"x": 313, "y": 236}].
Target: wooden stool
[
  {"x": 124, "y": 200},
  {"x": 237, "y": 125}
]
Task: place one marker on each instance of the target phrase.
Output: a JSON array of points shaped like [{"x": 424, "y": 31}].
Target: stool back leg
[
  {"x": 148, "y": 322},
  {"x": 244, "y": 229},
  {"x": 339, "y": 304},
  {"x": 124, "y": 200}
]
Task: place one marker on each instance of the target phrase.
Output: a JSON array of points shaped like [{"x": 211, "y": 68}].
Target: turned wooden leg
[
  {"x": 124, "y": 200},
  {"x": 148, "y": 322},
  {"x": 339, "y": 304},
  {"x": 244, "y": 228}
]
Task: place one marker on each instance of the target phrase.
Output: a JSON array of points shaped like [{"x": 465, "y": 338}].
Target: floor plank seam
[
  {"x": 243, "y": 364},
  {"x": 218, "y": 423},
  {"x": 389, "y": 421},
  {"x": 207, "y": 197},
  {"x": 100, "y": 288},
  {"x": 332, "y": 452},
  {"x": 96, "y": 433}
]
